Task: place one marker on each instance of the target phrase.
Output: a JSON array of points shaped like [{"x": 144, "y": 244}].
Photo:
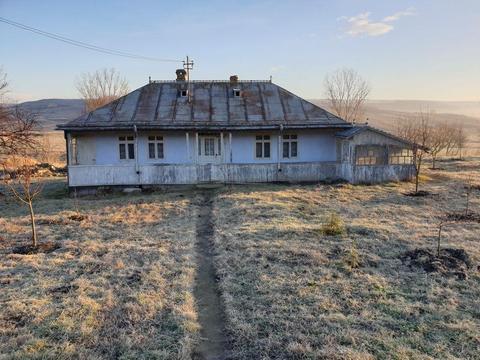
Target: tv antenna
[{"x": 187, "y": 66}]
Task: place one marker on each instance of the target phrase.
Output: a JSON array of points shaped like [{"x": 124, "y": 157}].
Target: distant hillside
[
  {"x": 52, "y": 112},
  {"x": 385, "y": 114}
]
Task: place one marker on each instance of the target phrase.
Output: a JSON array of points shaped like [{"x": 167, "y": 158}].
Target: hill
[{"x": 52, "y": 112}]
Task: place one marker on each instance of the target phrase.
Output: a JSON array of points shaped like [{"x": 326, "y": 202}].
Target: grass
[
  {"x": 305, "y": 272},
  {"x": 292, "y": 291},
  {"x": 120, "y": 286}
]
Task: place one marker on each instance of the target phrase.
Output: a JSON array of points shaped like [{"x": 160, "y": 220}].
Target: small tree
[
  {"x": 101, "y": 87},
  {"x": 439, "y": 141},
  {"x": 24, "y": 189},
  {"x": 460, "y": 139},
  {"x": 346, "y": 92},
  {"x": 418, "y": 131}
]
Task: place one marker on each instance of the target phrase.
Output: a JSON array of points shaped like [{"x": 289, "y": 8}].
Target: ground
[{"x": 124, "y": 282}]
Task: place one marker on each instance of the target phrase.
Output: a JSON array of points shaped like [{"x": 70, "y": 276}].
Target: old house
[{"x": 189, "y": 132}]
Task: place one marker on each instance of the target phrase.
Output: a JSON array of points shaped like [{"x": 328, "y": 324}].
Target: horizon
[{"x": 297, "y": 42}]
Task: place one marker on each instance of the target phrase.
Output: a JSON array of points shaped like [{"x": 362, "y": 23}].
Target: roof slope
[
  {"x": 357, "y": 129},
  {"x": 158, "y": 105}
]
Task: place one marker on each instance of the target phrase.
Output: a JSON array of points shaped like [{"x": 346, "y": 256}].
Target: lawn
[
  {"x": 290, "y": 291},
  {"x": 119, "y": 286}
]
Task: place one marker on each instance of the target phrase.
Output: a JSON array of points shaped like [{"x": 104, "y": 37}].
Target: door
[{"x": 209, "y": 149}]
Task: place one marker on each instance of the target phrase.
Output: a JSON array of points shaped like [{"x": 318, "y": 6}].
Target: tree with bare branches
[
  {"x": 460, "y": 139},
  {"x": 417, "y": 130},
  {"x": 440, "y": 139},
  {"x": 101, "y": 87},
  {"x": 24, "y": 189},
  {"x": 17, "y": 126},
  {"x": 346, "y": 92}
]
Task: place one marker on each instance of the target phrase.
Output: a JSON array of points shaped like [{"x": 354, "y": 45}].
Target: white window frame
[
  {"x": 126, "y": 141},
  {"x": 264, "y": 139},
  {"x": 237, "y": 92},
  {"x": 156, "y": 141},
  {"x": 400, "y": 156},
  {"x": 289, "y": 139}
]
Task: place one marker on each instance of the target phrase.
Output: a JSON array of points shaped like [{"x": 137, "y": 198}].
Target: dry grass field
[
  {"x": 121, "y": 284},
  {"x": 291, "y": 292}
]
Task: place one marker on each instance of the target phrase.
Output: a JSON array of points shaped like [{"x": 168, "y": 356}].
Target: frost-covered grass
[
  {"x": 119, "y": 286},
  {"x": 291, "y": 291}
]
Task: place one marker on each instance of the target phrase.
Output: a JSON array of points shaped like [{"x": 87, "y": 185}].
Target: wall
[{"x": 314, "y": 145}]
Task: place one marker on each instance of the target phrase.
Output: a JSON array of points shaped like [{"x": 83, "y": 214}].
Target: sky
[{"x": 416, "y": 50}]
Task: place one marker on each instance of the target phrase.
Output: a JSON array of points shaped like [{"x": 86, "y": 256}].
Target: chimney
[
  {"x": 181, "y": 74},
  {"x": 234, "y": 79}
]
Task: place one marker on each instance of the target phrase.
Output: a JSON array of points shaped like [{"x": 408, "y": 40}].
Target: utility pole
[{"x": 187, "y": 66}]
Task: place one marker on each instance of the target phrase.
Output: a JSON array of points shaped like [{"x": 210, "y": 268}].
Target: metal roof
[
  {"x": 357, "y": 129},
  {"x": 213, "y": 105}
]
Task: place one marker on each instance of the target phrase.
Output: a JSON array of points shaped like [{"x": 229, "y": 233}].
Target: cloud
[{"x": 361, "y": 24}]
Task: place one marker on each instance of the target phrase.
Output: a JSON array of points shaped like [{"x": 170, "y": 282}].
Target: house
[{"x": 190, "y": 132}]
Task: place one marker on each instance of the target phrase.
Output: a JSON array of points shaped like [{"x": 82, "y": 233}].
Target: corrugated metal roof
[
  {"x": 213, "y": 105},
  {"x": 357, "y": 129}
]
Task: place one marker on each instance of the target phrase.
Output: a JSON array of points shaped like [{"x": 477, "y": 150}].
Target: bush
[
  {"x": 352, "y": 257},
  {"x": 333, "y": 226}
]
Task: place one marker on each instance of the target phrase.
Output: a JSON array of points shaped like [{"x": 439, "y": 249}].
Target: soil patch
[
  {"x": 450, "y": 262},
  {"x": 44, "y": 247},
  {"x": 420, "y": 193},
  {"x": 467, "y": 217},
  {"x": 211, "y": 313}
]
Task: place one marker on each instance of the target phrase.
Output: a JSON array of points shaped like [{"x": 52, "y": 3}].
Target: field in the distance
[{"x": 121, "y": 284}]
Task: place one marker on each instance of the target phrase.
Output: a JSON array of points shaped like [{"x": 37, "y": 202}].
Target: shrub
[
  {"x": 352, "y": 257},
  {"x": 333, "y": 226}
]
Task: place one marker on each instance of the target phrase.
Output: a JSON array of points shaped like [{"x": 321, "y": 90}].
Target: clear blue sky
[{"x": 424, "y": 49}]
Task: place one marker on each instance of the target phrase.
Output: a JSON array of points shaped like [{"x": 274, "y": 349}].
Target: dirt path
[{"x": 211, "y": 314}]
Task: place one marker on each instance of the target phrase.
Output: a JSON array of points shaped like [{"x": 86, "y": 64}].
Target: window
[
  {"x": 370, "y": 155},
  {"x": 184, "y": 93},
  {"x": 262, "y": 146},
  {"x": 126, "y": 147},
  {"x": 74, "y": 148},
  {"x": 289, "y": 146},
  {"x": 398, "y": 156},
  {"x": 155, "y": 147},
  {"x": 237, "y": 93}
]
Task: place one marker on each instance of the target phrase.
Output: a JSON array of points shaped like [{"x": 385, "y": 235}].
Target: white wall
[{"x": 313, "y": 146}]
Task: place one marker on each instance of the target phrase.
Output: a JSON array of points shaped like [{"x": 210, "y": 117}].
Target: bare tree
[
  {"x": 460, "y": 139},
  {"x": 439, "y": 141},
  {"x": 17, "y": 126},
  {"x": 418, "y": 131},
  {"x": 101, "y": 87},
  {"x": 346, "y": 92},
  {"x": 24, "y": 189}
]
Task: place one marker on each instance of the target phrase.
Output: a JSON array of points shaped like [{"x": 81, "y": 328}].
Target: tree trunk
[{"x": 32, "y": 222}]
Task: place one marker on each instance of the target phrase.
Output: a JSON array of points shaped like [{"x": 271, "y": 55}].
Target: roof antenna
[{"x": 187, "y": 66}]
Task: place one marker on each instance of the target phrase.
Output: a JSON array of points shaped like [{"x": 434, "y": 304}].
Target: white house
[{"x": 189, "y": 132}]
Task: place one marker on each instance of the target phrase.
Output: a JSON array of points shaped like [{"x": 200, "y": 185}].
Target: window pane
[
  {"x": 121, "y": 138},
  {"x": 266, "y": 149},
  {"x": 266, "y": 137},
  {"x": 160, "y": 138},
  {"x": 258, "y": 137},
  {"x": 293, "y": 136},
  {"x": 286, "y": 137},
  {"x": 151, "y": 150},
  {"x": 130, "y": 138},
  {"x": 286, "y": 150},
  {"x": 258, "y": 151},
  {"x": 160, "y": 150},
  {"x": 131, "y": 151},
  {"x": 122, "y": 151},
  {"x": 219, "y": 147},
  {"x": 293, "y": 149}
]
